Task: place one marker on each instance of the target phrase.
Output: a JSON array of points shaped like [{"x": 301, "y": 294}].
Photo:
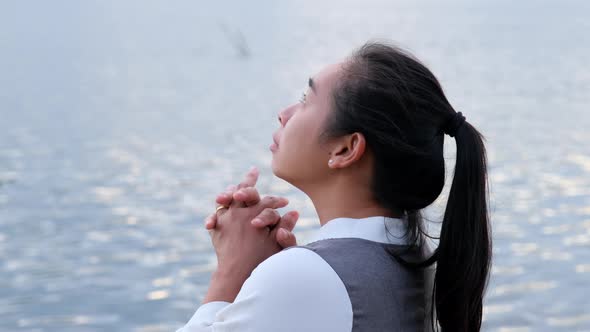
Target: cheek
[
  {"x": 293, "y": 139},
  {"x": 302, "y": 145},
  {"x": 300, "y": 128},
  {"x": 300, "y": 136}
]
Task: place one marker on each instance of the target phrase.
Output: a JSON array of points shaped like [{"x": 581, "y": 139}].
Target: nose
[{"x": 286, "y": 114}]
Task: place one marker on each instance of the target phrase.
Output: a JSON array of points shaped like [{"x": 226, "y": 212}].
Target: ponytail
[
  {"x": 464, "y": 252},
  {"x": 399, "y": 106}
]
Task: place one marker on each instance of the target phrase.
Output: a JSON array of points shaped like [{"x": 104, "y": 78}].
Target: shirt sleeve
[{"x": 293, "y": 290}]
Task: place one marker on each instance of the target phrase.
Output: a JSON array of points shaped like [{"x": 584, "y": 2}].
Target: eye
[{"x": 302, "y": 99}]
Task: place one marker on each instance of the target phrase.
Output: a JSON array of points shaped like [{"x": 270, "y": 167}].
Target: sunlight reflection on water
[{"x": 113, "y": 145}]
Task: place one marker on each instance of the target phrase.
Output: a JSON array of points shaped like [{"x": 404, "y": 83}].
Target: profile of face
[{"x": 298, "y": 156}]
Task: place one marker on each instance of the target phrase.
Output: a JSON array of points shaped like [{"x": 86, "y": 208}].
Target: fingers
[
  {"x": 273, "y": 202},
  {"x": 250, "y": 179},
  {"x": 225, "y": 198},
  {"x": 284, "y": 225},
  {"x": 268, "y": 217},
  {"x": 272, "y": 218},
  {"x": 211, "y": 221},
  {"x": 285, "y": 238},
  {"x": 248, "y": 196},
  {"x": 288, "y": 220}
]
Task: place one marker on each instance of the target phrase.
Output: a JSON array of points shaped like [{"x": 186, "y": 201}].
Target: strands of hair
[{"x": 399, "y": 106}]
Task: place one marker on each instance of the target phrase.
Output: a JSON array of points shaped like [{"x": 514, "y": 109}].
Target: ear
[{"x": 349, "y": 150}]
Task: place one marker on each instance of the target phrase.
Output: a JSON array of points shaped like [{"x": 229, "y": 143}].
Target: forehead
[{"x": 325, "y": 79}]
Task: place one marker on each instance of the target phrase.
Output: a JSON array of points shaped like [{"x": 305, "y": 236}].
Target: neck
[{"x": 348, "y": 200}]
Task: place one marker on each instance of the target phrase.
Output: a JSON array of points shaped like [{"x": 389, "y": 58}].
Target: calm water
[{"x": 120, "y": 121}]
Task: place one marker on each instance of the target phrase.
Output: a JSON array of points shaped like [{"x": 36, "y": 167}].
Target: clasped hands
[{"x": 245, "y": 234}]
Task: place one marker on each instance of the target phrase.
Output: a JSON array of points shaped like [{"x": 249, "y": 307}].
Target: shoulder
[
  {"x": 297, "y": 286},
  {"x": 293, "y": 290},
  {"x": 368, "y": 267},
  {"x": 297, "y": 268},
  {"x": 365, "y": 255}
]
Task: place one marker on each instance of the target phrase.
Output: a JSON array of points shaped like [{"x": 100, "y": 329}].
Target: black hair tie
[{"x": 454, "y": 124}]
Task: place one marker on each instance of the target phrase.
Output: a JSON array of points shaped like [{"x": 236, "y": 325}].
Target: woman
[{"x": 365, "y": 143}]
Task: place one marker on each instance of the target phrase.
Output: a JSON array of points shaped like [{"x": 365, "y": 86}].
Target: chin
[
  {"x": 275, "y": 167},
  {"x": 277, "y": 170}
]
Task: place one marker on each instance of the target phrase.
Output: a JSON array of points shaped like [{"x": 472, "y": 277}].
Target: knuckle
[{"x": 270, "y": 212}]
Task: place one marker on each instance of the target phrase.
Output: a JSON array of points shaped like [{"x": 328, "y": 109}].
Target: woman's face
[{"x": 298, "y": 157}]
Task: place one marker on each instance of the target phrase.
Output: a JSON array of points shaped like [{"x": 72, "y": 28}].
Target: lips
[{"x": 275, "y": 145}]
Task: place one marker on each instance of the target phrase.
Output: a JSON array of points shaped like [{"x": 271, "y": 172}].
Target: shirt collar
[{"x": 377, "y": 228}]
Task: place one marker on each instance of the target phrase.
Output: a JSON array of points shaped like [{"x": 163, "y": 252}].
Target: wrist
[
  {"x": 230, "y": 274},
  {"x": 224, "y": 286}
]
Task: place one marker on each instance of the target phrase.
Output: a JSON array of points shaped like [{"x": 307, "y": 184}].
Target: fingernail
[
  {"x": 284, "y": 233},
  {"x": 256, "y": 221}
]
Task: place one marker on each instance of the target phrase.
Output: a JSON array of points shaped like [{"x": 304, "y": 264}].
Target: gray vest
[{"x": 385, "y": 295}]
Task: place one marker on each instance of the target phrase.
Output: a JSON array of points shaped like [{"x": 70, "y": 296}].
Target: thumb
[{"x": 286, "y": 238}]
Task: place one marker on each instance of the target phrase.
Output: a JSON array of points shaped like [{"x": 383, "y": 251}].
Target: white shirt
[{"x": 296, "y": 289}]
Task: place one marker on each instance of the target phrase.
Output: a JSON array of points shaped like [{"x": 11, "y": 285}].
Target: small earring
[{"x": 330, "y": 162}]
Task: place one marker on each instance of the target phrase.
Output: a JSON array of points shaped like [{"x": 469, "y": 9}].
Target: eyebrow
[{"x": 311, "y": 84}]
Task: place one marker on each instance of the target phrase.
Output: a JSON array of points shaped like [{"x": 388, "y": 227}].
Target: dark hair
[{"x": 399, "y": 106}]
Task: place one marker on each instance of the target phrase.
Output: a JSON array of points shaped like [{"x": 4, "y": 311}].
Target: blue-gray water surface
[{"x": 121, "y": 120}]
